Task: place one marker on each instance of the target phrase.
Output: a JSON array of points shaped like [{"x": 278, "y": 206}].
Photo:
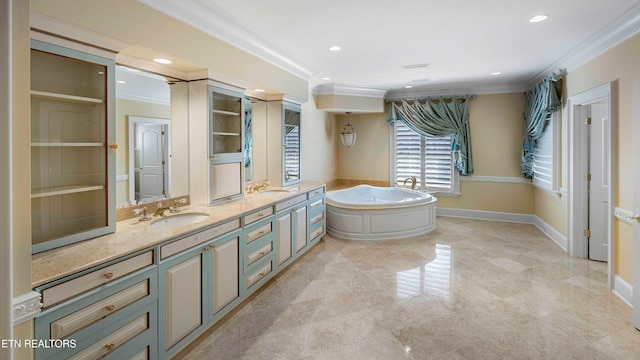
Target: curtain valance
[
  {"x": 541, "y": 100},
  {"x": 439, "y": 116}
]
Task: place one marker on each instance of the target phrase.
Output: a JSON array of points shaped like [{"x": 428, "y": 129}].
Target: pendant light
[{"x": 348, "y": 134}]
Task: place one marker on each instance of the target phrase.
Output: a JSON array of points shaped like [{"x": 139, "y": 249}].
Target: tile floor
[{"x": 470, "y": 290}]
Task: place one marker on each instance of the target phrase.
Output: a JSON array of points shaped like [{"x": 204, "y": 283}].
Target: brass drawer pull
[
  {"x": 260, "y": 215},
  {"x": 110, "y": 347},
  {"x": 261, "y": 232},
  {"x": 108, "y": 275},
  {"x": 110, "y": 308}
]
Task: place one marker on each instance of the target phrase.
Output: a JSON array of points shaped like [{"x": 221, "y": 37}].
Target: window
[
  {"x": 429, "y": 159},
  {"x": 544, "y": 165}
]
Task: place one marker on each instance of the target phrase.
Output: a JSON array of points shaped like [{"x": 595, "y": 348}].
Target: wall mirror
[
  {"x": 256, "y": 140},
  {"x": 291, "y": 150},
  {"x": 143, "y": 135}
]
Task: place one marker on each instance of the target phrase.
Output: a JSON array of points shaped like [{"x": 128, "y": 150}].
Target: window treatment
[
  {"x": 439, "y": 116},
  {"x": 248, "y": 133},
  {"x": 540, "y": 101}
]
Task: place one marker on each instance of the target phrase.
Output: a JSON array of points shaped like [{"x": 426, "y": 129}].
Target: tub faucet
[{"x": 413, "y": 180}]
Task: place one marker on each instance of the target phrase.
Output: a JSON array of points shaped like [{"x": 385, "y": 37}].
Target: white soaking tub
[{"x": 366, "y": 212}]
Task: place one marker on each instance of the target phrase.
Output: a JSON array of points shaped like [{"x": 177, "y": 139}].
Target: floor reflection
[{"x": 433, "y": 278}]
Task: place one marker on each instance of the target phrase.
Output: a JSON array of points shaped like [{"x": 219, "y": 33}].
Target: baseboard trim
[
  {"x": 486, "y": 215},
  {"x": 623, "y": 290},
  {"x": 552, "y": 233}
]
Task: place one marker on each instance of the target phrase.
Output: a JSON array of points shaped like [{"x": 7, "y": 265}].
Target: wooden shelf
[
  {"x": 225, "y": 134},
  {"x": 67, "y": 144},
  {"x": 64, "y": 97},
  {"x": 63, "y": 190},
  {"x": 225, "y": 112}
]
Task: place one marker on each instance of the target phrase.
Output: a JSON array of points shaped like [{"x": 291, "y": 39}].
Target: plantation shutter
[
  {"x": 438, "y": 165},
  {"x": 408, "y": 155},
  {"x": 427, "y": 158},
  {"x": 292, "y": 150},
  {"x": 543, "y": 163}
]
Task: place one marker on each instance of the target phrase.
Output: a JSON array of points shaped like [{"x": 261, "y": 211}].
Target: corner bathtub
[{"x": 366, "y": 212}]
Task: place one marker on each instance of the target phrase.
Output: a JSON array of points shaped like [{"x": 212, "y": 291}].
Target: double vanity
[{"x": 151, "y": 287}]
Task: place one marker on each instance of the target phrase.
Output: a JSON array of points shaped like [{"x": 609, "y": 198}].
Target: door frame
[
  {"x": 578, "y": 164},
  {"x": 133, "y": 120},
  {"x": 635, "y": 298}
]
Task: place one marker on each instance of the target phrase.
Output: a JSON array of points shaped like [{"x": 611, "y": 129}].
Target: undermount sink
[
  {"x": 272, "y": 191},
  {"x": 179, "y": 219}
]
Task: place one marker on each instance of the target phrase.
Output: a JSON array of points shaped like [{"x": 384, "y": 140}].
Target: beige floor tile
[{"x": 470, "y": 290}]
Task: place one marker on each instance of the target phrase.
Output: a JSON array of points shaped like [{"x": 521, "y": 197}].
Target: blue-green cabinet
[{"x": 72, "y": 146}]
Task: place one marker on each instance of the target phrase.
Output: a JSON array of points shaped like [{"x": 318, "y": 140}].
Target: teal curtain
[
  {"x": 439, "y": 116},
  {"x": 541, "y": 100}
]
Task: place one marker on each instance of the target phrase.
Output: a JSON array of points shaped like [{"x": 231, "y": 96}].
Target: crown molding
[
  {"x": 46, "y": 28},
  {"x": 349, "y": 90},
  {"x": 619, "y": 28},
  {"x": 459, "y": 89},
  {"x": 215, "y": 21},
  {"x": 134, "y": 96}
]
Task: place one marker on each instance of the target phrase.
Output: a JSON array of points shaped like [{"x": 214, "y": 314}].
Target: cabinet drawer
[
  {"x": 317, "y": 204},
  {"x": 97, "y": 311},
  {"x": 316, "y": 219},
  {"x": 259, "y": 274},
  {"x": 259, "y": 232},
  {"x": 316, "y": 192},
  {"x": 116, "y": 339},
  {"x": 66, "y": 290},
  {"x": 199, "y": 238},
  {"x": 287, "y": 203},
  {"x": 317, "y": 232},
  {"x": 258, "y": 215},
  {"x": 260, "y": 253}
]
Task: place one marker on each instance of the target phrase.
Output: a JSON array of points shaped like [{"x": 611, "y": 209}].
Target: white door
[
  {"x": 183, "y": 296},
  {"x": 598, "y": 187},
  {"x": 636, "y": 204},
  {"x": 150, "y": 162}
]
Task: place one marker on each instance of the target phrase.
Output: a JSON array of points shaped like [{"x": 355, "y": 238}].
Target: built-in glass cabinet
[
  {"x": 291, "y": 149},
  {"x": 72, "y": 187},
  {"x": 226, "y": 144}
]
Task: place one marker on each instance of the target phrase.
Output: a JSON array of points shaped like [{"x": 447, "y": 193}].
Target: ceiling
[{"x": 455, "y": 45}]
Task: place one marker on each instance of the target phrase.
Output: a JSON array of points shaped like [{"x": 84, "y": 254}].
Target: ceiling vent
[{"x": 416, "y": 66}]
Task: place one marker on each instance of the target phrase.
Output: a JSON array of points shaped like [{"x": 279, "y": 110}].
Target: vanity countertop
[{"x": 132, "y": 235}]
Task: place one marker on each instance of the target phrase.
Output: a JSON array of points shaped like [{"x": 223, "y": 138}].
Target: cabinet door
[
  {"x": 301, "y": 227},
  {"x": 225, "y": 273},
  {"x": 183, "y": 291},
  {"x": 284, "y": 238},
  {"x": 72, "y": 164}
]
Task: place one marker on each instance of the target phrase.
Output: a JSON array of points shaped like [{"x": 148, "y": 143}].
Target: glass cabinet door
[
  {"x": 226, "y": 122},
  {"x": 291, "y": 149},
  {"x": 70, "y": 187}
]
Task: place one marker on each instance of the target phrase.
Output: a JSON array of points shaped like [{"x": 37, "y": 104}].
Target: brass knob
[
  {"x": 260, "y": 215},
  {"x": 110, "y": 346},
  {"x": 637, "y": 217},
  {"x": 261, "y": 274},
  {"x": 262, "y": 253},
  {"x": 110, "y": 308},
  {"x": 261, "y": 232},
  {"x": 108, "y": 275},
  {"x": 207, "y": 248},
  {"x": 113, "y": 146}
]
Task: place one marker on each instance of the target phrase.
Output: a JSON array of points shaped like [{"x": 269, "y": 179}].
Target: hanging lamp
[{"x": 348, "y": 134}]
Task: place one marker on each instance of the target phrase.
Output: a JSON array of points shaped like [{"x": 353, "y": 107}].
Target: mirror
[
  {"x": 143, "y": 135},
  {"x": 291, "y": 150},
  {"x": 256, "y": 140}
]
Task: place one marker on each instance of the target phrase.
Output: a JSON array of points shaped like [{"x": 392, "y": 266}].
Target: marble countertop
[{"x": 132, "y": 235}]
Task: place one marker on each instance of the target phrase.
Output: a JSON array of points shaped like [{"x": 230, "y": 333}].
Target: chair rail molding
[
  {"x": 623, "y": 215},
  {"x": 26, "y": 307}
]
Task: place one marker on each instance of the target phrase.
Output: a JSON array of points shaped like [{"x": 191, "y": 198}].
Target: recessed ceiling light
[
  {"x": 121, "y": 82},
  {"x": 408, "y": 86},
  {"x": 326, "y": 78},
  {"x": 334, "y": 48},
  {"x": 538, "y": 18},
  {"x": 496, "y": 73},
  {"x": 258, "y": 90},
  {"x": 162, "y": 61}
]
